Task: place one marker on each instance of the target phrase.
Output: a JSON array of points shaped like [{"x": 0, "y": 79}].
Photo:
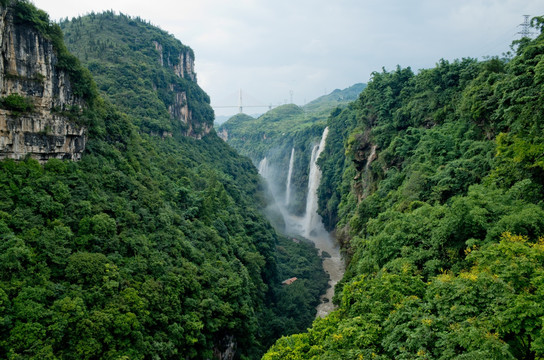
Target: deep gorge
[{"x": 398, "y": 219}]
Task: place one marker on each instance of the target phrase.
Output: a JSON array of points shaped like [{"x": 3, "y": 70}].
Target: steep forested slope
[
  {"x": 439, "y": 206},
  {"x": 143, "y": 70},
  {"x": 151, "y": 246},
  {"x": 165, "y": 75}
]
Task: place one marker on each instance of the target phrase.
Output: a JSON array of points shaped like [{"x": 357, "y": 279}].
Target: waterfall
[
  {"x": 312, "y": 220},
  {"x": 310, "y": 225},
  {"x": 263, "y": 168},
  {"x": 289, "y": 174},
  {"x": 371, "y": 157}
]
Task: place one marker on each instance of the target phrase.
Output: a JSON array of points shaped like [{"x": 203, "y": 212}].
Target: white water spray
[
  {"x": 315, "y": 230},
  {"x": 263, "y": 168},
  {"x": 312, "y": 220},
  {"x": 289, "y": 175}
]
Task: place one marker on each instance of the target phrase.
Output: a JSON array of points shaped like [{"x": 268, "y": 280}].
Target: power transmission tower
[
  {"x": 240, "y": 108},
  {"x": 525, "y": 27}
]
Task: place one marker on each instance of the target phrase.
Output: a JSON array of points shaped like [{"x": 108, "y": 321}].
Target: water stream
[
  {"x": 263, "y": 168},
  {"x": 289, "y": 175},
  {"x": 311, "y": 225}
]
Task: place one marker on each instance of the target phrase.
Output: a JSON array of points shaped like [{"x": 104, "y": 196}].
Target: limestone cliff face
[
  {"x": 183, "y": 67},
  {"x": 28, "y": 68},
  {"x": 223, "y": 134},
  {"x": 179, "y": 108}
]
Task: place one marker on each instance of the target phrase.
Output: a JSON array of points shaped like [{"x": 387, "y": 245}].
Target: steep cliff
[
  {"x": 36, "y": 94},
  {"x": 182, "y": 63},
  {"x": 185, "y": 61},
  {"x": 139, "y": 66}
]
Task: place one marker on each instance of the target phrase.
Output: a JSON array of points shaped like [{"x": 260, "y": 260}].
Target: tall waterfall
[
  {"x": 312, "y": 220},
  {"x": 289, "y": 175},
  {"x": 263, "y": 168},
  {"x": 310, "y": 225}
]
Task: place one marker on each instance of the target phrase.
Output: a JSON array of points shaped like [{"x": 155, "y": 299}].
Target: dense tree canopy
[
  {"x": 155, "y": 246},
  {"x": 439, "y": 205},
  {"x": 132, "y": 63},
  {"x": 149, "y": 247}
]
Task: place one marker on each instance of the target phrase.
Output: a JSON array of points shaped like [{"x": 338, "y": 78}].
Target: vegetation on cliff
[
  {"x": 26, "y": 14},
  {"x": 155, "y": 246},
  {"x": 439, "y": 206},
  {"x": 133, "y": 63}
]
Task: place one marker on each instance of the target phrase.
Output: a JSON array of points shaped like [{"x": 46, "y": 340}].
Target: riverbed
[{"x": 333, "y": 265}]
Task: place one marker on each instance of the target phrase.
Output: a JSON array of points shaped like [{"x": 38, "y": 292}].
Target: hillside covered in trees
[
  {"x": 434, "y": 184},
  {"x": 153, "y": 245}
]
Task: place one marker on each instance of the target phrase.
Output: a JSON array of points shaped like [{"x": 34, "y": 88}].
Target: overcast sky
[{"x": 274, "y": 48}]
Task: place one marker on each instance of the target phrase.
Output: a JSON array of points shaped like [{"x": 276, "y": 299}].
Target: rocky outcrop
[
  {"x": 158, "y": 47},
  {"x": 198, "y": 130},
  {"x": 223, "y": 134},
  {"x": 40, "y": 137},
  {"x": 28, "y": 69},
  {"x": 179, "y": 108},
  {"x": 183, "y": 67},
  {"x": 226, "y": 349}
]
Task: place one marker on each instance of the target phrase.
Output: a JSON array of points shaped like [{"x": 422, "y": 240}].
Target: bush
[{"x": 18, "y": 103}]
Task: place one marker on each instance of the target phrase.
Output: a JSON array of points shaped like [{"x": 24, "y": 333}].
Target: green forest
[
  {"x": 150, "y": 246},
  {"x": 434, "y": 184},
  {"x": 155, "y": 245}
]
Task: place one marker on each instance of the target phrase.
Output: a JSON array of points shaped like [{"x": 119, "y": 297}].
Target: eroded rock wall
[
  {"x": 28, "y": 68},
  {"x": 179, "y": 109}
]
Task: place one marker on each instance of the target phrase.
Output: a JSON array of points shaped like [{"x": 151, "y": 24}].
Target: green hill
[
  {"x": 434, "y": 184},
  {"x": 143, "y": 70},
  {"x": 336, "y": 98},
  {"x": 153, "y": 244}
]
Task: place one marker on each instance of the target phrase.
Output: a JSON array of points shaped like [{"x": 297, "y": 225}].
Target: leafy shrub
[{"x": 17, "y": 103}]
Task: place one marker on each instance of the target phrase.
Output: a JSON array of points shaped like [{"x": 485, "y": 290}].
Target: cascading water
[
  {"x": 289, "y": 174},
  {"x": 263, "y": 168},
  {"x": 314, "y": 230},
  {"x": 312, "y": 220},
  {"x": 310, "y": 225}
]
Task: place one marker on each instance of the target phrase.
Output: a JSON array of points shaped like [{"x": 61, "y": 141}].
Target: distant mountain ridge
[{"x": 336, "y": 98}]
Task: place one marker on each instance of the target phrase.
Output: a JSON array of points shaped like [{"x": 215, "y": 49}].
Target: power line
[
  {"x": 238, "y": 106},
  {"x": 241, "y": 105}
]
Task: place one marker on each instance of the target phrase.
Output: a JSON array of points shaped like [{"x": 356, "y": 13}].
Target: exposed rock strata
[
  {"x": 28, "y": 67},
  {"x": 179, "y": 109}
]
